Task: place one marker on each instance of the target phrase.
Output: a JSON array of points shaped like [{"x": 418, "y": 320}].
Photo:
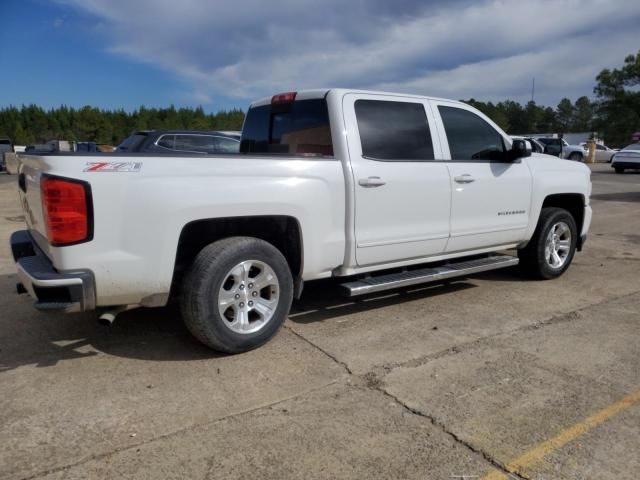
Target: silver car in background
[{"x": 627, "y": 158}]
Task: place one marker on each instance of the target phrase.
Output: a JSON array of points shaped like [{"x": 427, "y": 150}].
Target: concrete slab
[
  {"x": 507, "y": 395},
  {"x": 81, "y": 396},
  {"x": 405, "y": 327},
  {"x": 338, "y": 432}
]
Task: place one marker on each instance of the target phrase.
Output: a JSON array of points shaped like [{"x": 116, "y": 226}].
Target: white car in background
[
  {"x": 627, "y": 158},
  {"x": 560, "y": 148},
  {"x": 603, "y": 153}
]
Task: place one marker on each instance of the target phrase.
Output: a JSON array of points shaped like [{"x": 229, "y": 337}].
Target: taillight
[
  {"x": 287, "y": 97},
  {"x": 66, "y": 206}
]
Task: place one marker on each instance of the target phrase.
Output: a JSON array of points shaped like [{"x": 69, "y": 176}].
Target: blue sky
[{"x": 222, "y": 54}]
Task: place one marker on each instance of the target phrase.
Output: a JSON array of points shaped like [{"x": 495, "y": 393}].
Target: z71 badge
[{"x": 113, "y": 167}]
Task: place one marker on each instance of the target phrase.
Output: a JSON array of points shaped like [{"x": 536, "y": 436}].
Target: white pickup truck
[{"x": 381, "y": 190}]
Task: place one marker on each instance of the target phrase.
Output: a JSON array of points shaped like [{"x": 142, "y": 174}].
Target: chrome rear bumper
[{"x": 52, "y": 290}]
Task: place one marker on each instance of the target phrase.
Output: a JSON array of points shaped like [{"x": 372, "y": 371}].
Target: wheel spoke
[
  {"x": 561, "y": 229},
  {"x": 265, "y": 307},
  {"x": 556, "y": 260},
  {"x": 263, "y": 280},
  {"x": 226, "y": 298},
  {"x": 241, "y": 320},
  {"x": 564, "y": 244}
]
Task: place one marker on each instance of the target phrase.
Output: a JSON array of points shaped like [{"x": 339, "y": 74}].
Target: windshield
[{"x": 131, "y": 142}]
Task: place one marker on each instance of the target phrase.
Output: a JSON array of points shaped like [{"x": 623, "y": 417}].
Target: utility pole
[{"x": 533, "y": 88}]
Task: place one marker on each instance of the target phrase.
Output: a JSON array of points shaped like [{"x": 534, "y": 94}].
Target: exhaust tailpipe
[{"x": 107, "y": 318}]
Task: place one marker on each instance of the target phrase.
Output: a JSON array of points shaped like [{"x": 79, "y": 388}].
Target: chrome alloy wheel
[
  {"x": 248, "y": 297},
  {"x": 558, "y": 245}
]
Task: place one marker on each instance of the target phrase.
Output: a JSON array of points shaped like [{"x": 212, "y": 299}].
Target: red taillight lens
[
  {"x": 65, "y": 209},
  {"x": 287, "y": 97}
]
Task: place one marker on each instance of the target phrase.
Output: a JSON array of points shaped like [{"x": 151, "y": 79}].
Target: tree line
[
  {"x": 614, "y": 115},
  {"x": 31, "y": 124}
]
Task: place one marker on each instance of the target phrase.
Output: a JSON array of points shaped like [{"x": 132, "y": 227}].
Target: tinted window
[
  {"x": 300, "y": 127},
  {"x": 194, "y": 143},
  {"x": 225, "y": 145},
  {"x": 550, "y": 141},
  {"x": 470, "y": 137},
  {"x": 600, "y": 147},
  {"x": 131, "y": 142},
  {"x": 393, "y": 130},
  {"x": 167, "y": 141}
]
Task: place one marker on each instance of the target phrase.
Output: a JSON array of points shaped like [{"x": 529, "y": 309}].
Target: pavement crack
[
  {"x": 321, "y": 350},
  {"x": 555, "y": 319},
  {"x": 456, "y": 438}
]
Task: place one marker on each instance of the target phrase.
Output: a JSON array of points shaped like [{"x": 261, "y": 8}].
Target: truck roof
[{"x": 322, "y": 92}]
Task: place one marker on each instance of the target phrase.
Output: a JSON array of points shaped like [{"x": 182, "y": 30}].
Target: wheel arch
[
  {"x": 571, "y": 202},
  {"x": 281, "y": 231}
]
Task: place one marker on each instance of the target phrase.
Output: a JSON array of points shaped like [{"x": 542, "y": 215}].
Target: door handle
[
  {"x": 465, "y": 178},
  {"x": 371, "y": 182}
]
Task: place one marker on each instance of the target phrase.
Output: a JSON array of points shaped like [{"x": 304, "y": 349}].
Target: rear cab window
[{"x": 300, "y": 127}]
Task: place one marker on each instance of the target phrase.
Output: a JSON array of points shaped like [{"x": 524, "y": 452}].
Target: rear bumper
[{"x": 52, "y": 290}]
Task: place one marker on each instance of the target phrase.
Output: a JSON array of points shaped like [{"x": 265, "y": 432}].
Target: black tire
[
  {"x": 204, "y": 279},
  {"x": 533, "y": 261},
  {"x": 619, "y": 169},
  {"x": 576, "y": 157}
]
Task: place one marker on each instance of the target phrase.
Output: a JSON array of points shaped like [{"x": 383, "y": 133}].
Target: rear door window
[
  {"x": 296, "y": 128},
  {"x": 225, "y": 145},
  {"x": 194, "y": 143},
  {"x": 470, "y": 137},
  {"x": 167, "y": 141},
  {"x": 392, "y": 130}
]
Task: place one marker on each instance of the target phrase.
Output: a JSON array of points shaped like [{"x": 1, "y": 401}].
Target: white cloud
[{"x": 490, "y": 50}]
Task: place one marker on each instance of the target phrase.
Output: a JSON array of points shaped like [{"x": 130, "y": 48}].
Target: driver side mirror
[{"x": 519, "y": 150}]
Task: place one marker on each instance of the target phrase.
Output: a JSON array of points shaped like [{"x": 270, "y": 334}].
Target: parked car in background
[
  {"x": 627, "y": 158},
  {"x": 603, "y": 153},
  {"x": 5, "y": 146},
  {"x": 536, "y": 146},
  {"x": 560, "y": 148},
  {"x": 184, "y": 141}
]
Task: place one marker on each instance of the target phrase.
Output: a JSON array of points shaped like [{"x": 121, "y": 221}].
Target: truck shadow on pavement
[
  {"x": 30, "y": 337},
  {"x": 322, "y": 300}
]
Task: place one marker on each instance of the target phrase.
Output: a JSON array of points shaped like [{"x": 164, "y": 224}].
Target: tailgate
[{"x": 31, "y": 169}]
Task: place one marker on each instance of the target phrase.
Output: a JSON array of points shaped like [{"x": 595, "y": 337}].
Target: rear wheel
[
  {"x": 552, "y": 247},
  {"x": 237, "y": 294},
  {"x": 619, "y": 169}
]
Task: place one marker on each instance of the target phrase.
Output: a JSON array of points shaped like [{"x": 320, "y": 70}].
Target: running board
[{"x": 426, "y": 275}]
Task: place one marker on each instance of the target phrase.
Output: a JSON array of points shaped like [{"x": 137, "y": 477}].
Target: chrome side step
[{"x": 426, "y": 275}]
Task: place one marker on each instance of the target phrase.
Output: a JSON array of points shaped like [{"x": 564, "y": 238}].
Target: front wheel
[
  {"x": 619, "y": 169},
  {"x": 576, "y": 157},
  {"x": 237, "y": 294},
  {"x": 553, "y": 245}
]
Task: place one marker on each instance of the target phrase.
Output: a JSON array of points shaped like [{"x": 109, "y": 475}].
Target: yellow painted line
[{"x": 565, "y": 436}]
